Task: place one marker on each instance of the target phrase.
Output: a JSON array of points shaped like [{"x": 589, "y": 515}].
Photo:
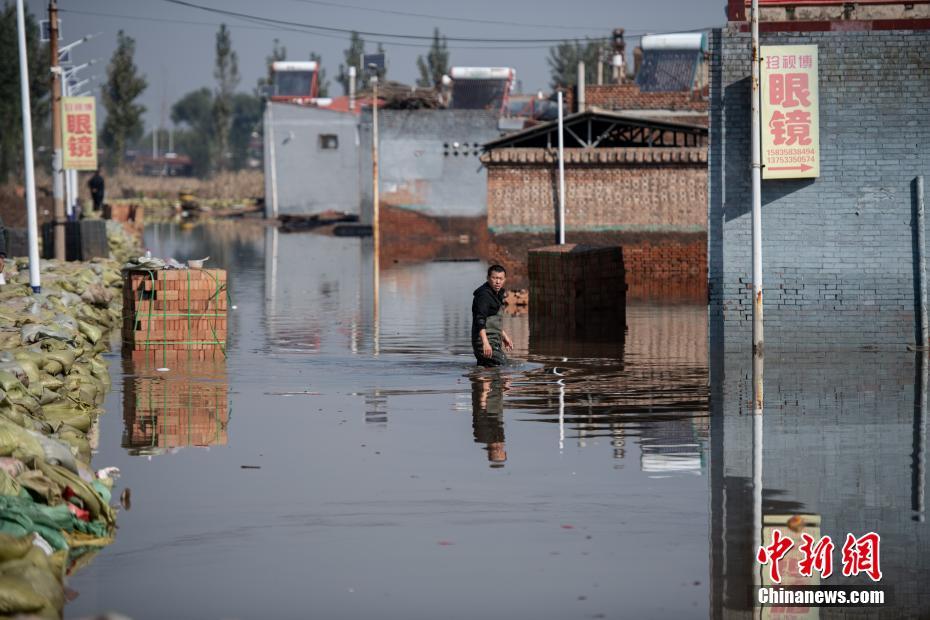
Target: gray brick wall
[{"x": 838, "y": 251}]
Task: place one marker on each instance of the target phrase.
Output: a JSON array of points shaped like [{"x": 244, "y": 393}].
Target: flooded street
[{"x": 333, "y": 468}]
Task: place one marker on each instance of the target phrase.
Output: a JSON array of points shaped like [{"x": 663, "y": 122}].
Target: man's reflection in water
[{"x": 487, "y": 409}]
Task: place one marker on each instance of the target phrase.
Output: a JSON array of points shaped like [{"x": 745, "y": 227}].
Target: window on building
[{"x": 329, "y": 141}]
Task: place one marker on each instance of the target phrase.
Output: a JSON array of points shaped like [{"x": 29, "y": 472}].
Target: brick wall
[
  {"x": 577, "y": 289},
  {"x": 635, "y": 189},
  {"x": 666, "y": 269},
  {"x": 671, "y": 267},
  {"x": 630, "y": 97},
  {"x": 838, "y": 251}
]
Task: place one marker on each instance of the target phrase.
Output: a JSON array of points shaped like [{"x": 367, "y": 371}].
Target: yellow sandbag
[
  {"x": 13, "y": 548},
  {"x": 18, "y": 597},
  {"x": 71, "y": 416},
  {"x": 16, "y": 442}
]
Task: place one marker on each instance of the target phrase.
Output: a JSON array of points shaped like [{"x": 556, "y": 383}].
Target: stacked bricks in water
[
  {"x": 187, "y": 406},
  {"x": 174, "y": 313},
  {"x": 577, "y": 288}
]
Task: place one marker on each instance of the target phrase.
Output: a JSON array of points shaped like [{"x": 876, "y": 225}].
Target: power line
[
  {"x": 445, "y": 17},
  {"x": 270, "y": 20},
  {"x": 278, "y": 28}
]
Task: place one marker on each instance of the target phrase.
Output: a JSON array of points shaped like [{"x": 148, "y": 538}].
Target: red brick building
[{"x": 629, "y": 181}]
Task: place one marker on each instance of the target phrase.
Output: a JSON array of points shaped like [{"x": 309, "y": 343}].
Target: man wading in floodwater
[{"x": 488, "y": 338}]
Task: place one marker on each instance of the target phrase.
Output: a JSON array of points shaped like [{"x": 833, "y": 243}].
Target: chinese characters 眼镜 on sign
[
  {"x": 790, "y": 112},
  {"x": 79, "y": 133}
]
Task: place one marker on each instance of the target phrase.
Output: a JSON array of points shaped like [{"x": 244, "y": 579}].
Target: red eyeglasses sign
[{"x": 790, "y": 112}]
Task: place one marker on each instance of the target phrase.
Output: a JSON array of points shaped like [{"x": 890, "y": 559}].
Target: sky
[{"x": 175, "y": 43}]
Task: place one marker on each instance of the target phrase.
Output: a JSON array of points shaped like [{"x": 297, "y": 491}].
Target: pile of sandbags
[{"x": 54, "y": 508}]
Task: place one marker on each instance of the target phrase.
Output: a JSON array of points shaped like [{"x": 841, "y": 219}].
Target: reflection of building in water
[
  {"x": 184, "y": 406},
  {"x": 649, "y": 383},
  {"x": 487, "y": 409},
  {"x": 673, "y": 446},
  {"x": 842, "y": 432},
  {"x": 323, "y": 276},
  {"x": 376, "y": 409}
]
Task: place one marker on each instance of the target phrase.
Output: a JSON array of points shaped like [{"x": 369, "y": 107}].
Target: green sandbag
[
  {"x": 20, "y": 516},
  {"x": 53, "y": 367},
  {"x": 18, "y": 597},
  {"x": 92, "y": 502}
]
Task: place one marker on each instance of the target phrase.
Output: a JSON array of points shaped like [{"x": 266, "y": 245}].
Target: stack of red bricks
[
  {"x": 174, "y": 314},
  {"x": 577, "y": 287},
  {"x": 187, "y": 406}
]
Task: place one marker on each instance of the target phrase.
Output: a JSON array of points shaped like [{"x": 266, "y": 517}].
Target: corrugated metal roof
[{"x": 602, "y": 123}]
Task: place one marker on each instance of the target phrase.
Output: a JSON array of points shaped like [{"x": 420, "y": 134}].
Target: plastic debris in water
[{"x": 162, "y": 369}]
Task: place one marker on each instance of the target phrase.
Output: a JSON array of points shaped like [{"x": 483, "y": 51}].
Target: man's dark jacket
[{"x": 485, "y": 304}]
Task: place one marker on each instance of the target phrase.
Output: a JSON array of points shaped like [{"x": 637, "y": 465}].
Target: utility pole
[
  {"x": 756, "y": 144},
  {"x": 31, "y": 220},
  {"x": 376, "y": 207},
  {"x": 57, "y": 159},
  {"x": 757, "y": 340},
  {"x": 580, "y": 87}
]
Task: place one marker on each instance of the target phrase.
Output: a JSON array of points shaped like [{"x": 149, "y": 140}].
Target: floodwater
[{"x": 386, "y": 477}]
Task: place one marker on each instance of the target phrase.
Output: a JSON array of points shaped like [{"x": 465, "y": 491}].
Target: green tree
[
  {"x": 322, "y": 82},
  {"x": 278, "y": 52},
  {"x": 352, "y": 59},
  {"x": 563, "y": 62},
  {"x": 436, "y": 63},
  {"x": 194, "y": 114},
  {"x": 124, "y": 85},
  {"x": 11, "y": 120},
  {"x": 226, "y": 72},
  {"x": 246, "y": 120}
]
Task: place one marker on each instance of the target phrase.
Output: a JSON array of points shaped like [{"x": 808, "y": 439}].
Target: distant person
[
  {"x": 488, "y": 338},
  {"x": 97, "y": 186}
]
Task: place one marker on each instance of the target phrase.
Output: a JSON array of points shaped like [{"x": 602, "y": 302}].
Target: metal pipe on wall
[{"x": 921, "y": 263}]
